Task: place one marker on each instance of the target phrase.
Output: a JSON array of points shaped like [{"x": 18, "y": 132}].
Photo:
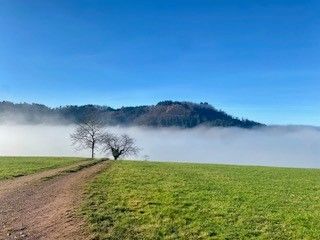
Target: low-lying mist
[{"x": 292, "y": 146}]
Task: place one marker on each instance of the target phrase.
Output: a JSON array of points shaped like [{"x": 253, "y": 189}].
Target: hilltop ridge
[{"x": 163, "y": 114}]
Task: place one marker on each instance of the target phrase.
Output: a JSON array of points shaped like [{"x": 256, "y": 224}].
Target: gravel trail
[{"x": 43, "y": 205}]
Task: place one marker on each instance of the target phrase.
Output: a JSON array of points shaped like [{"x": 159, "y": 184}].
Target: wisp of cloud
[{"x": 292, "y": 146}]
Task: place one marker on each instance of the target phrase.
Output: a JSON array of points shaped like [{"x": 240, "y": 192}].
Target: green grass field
[
  {"x": 144, "y": 200},
  {"x": 19, "y": 166}
]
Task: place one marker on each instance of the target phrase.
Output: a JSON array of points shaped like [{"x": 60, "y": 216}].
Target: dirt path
[{"x": 41, "y": 206}]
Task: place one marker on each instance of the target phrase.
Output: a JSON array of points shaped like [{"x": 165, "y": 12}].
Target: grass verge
[{"x": 11, "y": 167}]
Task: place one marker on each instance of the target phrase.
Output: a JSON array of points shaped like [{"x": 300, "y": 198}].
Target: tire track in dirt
[{"x": 43, "y": 206}]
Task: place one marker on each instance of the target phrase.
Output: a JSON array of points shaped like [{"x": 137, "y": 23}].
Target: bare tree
[
  {"x": 146, "y": 157},
  {"x": 87, "y": 135},
  {"x": 119, "y": 145}
]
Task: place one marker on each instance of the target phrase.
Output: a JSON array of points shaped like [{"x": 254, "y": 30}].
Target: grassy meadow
[
  {"x": 19, "y": 166},
  {"x": 145, "y": 200}
]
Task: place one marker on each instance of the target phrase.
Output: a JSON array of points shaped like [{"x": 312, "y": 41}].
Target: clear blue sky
[{"x": 253, "y": 59}]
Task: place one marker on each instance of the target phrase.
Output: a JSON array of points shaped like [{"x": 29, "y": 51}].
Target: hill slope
[{"x": 163, "y": 114}]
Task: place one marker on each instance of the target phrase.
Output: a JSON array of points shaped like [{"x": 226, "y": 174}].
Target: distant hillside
[{"x": 164, "y": 114}]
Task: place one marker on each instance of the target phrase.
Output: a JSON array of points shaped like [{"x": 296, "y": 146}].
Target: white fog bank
[{"x": 270, "y": 146}]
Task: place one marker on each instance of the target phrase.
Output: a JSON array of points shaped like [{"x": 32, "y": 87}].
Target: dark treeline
[{"x": 163, "y": 114}]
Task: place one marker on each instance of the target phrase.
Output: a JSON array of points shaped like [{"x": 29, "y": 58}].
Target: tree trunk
[
  {"x": 92, "y": 150},
  {"x": 115, "y": 153}
]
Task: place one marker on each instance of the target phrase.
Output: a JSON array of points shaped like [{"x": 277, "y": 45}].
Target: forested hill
[{"x": 163, "y": 114}]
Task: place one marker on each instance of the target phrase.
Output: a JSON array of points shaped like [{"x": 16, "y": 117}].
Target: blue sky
[{"x": 253, "y": 59}]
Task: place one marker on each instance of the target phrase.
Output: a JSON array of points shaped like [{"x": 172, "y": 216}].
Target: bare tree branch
[
  {"x": 119, "y": 145},
  {"x": 87, "y": 135}
]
